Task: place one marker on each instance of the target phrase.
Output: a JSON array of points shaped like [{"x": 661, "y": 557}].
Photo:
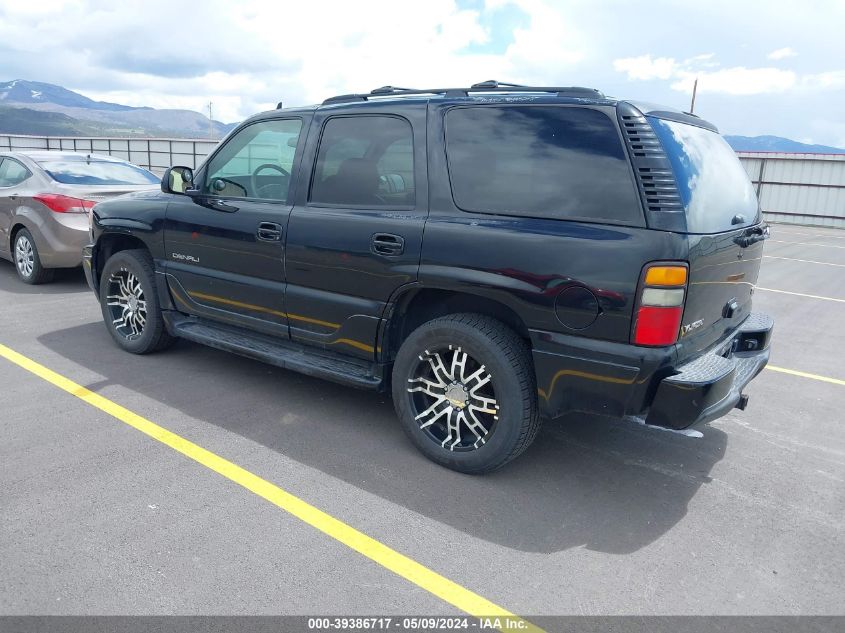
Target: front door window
[{"x": 256, "y": 163}]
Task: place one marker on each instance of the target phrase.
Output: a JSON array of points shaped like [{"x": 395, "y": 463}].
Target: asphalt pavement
[{"x": 598, "y": 517}]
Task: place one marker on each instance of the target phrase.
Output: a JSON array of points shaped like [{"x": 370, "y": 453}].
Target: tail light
[
  {"x": 660, "y": 305},
  {"x": 64, "y": 204}
]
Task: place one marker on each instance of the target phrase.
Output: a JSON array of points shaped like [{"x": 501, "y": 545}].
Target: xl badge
[{"x": 686, "y": 329}]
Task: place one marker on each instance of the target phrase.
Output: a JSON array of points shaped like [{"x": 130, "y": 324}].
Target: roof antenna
[{"x": 694, "y": 90}]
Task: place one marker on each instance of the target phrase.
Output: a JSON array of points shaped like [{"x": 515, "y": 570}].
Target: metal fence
[
  {"x": 792, "y": 188},
  {"x": 155, "y": 154},
  {"x": 804, "y": 189}
]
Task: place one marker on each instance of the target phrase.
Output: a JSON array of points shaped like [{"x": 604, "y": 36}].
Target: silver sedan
[{"x": 45, "y": 199}]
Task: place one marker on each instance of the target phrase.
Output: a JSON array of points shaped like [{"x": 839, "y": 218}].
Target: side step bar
[{"x": 281, "y": 353}]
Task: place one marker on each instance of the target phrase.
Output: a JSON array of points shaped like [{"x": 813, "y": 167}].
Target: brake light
[
  {"x": 661, "y": 305},
  {"x": 64, "y": 204}
]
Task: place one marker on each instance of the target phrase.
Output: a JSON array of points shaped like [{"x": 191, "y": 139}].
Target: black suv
[{"x": 492, "y": 255}]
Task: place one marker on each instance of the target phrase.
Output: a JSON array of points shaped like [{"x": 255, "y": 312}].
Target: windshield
[
  {"x": 713, "y": 185},
  {"x": 97, "y": 172}
]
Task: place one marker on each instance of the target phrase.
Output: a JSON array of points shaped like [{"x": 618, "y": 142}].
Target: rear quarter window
[
  {"x": 714, "y": 187},
  {"x": 540, "y": 161}
]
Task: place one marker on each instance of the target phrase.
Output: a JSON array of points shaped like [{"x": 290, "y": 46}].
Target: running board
[{"x": 308, "y": 360}]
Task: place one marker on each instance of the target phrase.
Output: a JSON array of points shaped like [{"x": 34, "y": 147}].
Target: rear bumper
[
  {"x": 59, "y": 237},
  {"x": 577, "y": 374},
  {"x": 710, "y": 386}
]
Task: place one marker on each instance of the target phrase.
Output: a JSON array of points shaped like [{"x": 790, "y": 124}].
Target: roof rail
[{"x": 491, "y": 85}]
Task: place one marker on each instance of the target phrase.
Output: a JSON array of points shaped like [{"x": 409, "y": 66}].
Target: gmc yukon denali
[{"x": 491, "y": 255}]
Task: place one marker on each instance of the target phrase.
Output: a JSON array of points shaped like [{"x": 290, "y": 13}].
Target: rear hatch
[{"x": 724, "y": 232}]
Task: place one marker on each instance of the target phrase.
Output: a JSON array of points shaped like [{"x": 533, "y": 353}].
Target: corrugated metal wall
[{"x": 799, "y": 188}]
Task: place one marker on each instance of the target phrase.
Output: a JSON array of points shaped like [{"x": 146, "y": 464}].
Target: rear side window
[
  {"x": 365, "y": 161},
  {"x": 540, "y": 161},
  {"x": 714, "y": 187},
  {"x": 97, "y": 172},
  {"x": 12, "y": 172}
]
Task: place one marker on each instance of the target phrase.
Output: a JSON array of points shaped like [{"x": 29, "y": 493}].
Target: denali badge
[
  {"x": 185, "y": 258},
  {"x": 686, "y": 329}
]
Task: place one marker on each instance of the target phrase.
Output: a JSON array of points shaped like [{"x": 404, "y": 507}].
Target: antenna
[
  {"x": 694, "y": 90},
  {"x": 210, "y": 121}
]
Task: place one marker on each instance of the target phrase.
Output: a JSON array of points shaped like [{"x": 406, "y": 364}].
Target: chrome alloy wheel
[
  {"x": 455, "y": 406},
  {"x": 24, "y": 256},
  {"x": 126, "y": 304}
]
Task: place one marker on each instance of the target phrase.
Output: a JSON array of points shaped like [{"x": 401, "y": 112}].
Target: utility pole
[
  {"x": 692, "y": 103},
  {"x": 210, "y": 122}
]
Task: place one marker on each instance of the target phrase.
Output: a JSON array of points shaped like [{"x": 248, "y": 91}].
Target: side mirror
[{"x": 177, "y": 180}]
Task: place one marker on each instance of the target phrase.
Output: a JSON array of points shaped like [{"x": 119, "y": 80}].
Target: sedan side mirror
[{"x": 177, "y": 180}]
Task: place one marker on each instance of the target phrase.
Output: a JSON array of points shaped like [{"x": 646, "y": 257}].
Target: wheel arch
[
  {"x": 21, "y": 222},
  {"x": 416, "y": 305},
  {"x": 110, "y": 243}
]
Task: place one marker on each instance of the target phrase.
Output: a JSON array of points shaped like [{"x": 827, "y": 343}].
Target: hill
[
  {"x": 778, "y": 144},
  {"x": 31, "y": 107}
]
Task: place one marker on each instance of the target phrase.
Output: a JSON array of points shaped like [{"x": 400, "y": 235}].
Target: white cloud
[
  {"x": 246, "y": 56},
  {"x": 782, "y": 53},
  {"x": 831, "y": 80},
  {"x": 737, "y": 81},
  {"x": 645, "y": 68}
]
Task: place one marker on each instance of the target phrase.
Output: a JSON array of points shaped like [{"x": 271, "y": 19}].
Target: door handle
[
  {"x": 387, "y": 244},
  {"x": 269, "y": 232}
]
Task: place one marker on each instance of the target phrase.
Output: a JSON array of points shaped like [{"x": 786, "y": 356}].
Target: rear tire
[
  {"x": 129, "y": 303},
  {"x": 27, "y": 261},
  {"x": 464, "y": 391}
]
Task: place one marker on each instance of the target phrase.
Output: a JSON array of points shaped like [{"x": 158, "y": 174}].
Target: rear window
[
  {"x": 97, "y": 172},
  {"x": 713, "y": 185},
  {"x": 540, "y": 161}
]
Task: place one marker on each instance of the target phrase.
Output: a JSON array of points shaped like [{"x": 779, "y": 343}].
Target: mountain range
[
  {"x": 36, "y": 108},
  {"x": 42, "y": 109},
  {"x": 778, "y": 144}
]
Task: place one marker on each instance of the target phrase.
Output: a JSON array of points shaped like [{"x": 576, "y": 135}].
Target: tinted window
[
  {"x": 12, "y": 172},
  {"x": 257, "y": 162},
  {"x": 713, "y": 185},
  {"x": 96, "y": 172},
  {"x": 550, "y": 162},
  {"x": 365, "y": 161}
]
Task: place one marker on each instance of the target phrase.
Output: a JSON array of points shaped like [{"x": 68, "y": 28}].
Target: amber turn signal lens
[{"x": 666, "y": 276}]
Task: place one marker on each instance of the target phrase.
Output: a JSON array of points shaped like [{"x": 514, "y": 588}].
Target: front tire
[
  {"x": 28, "y": 262},
  {"x": 129, "y": 303},
  {"x": 464, "y": 391}
]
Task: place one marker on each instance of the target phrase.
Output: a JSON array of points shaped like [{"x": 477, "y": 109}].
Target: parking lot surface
[{"x": 598, "y": 517}]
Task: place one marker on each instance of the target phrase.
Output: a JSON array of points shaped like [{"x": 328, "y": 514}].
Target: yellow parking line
[
  {"x": 407, "y": 568},
  {"x": 807, "y": 243},
  {"x": 804, "y": 374},
  {"x": 801, "y": 294},
  {"x": 806, "y": 261}
]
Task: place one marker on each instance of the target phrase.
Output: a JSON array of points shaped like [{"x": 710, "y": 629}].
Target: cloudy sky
[{"x": 763, "y": 67}]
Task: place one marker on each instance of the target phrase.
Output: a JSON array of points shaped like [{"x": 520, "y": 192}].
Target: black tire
[
  {"x": 500, "y": 354},
  {"x": 133, "y": 267},
  {"x": 27, "y": 261}
]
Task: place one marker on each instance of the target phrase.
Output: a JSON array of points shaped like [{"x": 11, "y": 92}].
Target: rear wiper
[{"x": 753, "y": 235}]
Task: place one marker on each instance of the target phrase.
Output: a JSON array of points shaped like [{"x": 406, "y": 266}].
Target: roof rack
[{"x": 491, "y": 85}]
